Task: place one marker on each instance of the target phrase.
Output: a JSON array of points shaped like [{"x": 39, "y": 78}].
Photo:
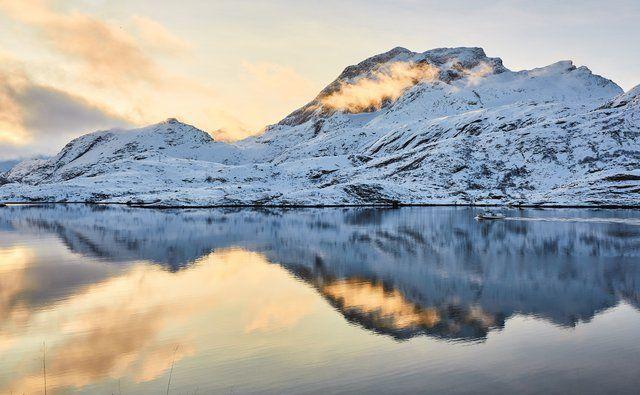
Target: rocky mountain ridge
[{"x": 446, "y": 126}]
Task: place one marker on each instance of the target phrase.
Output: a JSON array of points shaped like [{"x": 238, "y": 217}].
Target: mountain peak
[
  {"x": 459, "y": 53},
  {"x": 395, "y": 51},
  {"x": 172, "y": 123},
  {"x": 464, "y": 72},
  {"x": 466, "y": 56},
  {"x": 392, "y": 72}
]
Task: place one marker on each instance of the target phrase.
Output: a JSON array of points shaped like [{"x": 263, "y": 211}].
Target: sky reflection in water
[{"x": 312, "y": 300}]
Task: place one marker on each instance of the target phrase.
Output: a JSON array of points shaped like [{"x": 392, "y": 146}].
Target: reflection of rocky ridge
[
  {"x": 386, "y": 310},
  {"x": 419, "y": 270}
]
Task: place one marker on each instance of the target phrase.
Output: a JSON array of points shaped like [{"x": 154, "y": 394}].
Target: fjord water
[{"x": 127, "y": 300}]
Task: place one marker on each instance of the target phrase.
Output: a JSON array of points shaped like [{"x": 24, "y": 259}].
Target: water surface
[{"x": 133, "y": 301}]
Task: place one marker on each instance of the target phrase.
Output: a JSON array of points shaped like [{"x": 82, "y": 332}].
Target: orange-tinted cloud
[
  {"x": 385, "y": 84},
  {"x": 134, "y": 71},
  {"x": 110, "y": 55},
  {"x": 475, "y": 75},
  {"x": 136, "y": 324},
  {"x": 158, "y": 37},
  {"x": 109, "y": 79},
  {"x": 33, "y": 117},
  {"x": 13, "y": 281},
  {"x": 12, "y": 80},
  {"x": 388, "y": 309}
]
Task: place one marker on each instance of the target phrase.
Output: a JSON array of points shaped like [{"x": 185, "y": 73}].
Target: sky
[{"x": 231, "y": 67}]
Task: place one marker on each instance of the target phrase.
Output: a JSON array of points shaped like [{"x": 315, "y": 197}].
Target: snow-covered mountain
[{"x": 444, "y": 126}]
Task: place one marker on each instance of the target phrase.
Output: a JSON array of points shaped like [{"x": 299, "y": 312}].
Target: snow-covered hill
[{"x": 441, "y": 127}]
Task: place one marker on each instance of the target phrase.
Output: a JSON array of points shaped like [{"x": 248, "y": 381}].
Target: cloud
[
  {"x": 133, "y": 71},
  {"x": 51, "y": 111},
  {"x": 108, "y": 77},
  {"x": 388, "y": 309},
  {"x": 11, "y": 113},
  {"x": 36, "y": 119},
  {"x": 232, "y": 129},
  {"x": 385, "y": 84},
  {"x": 278, "y": 311},
  {"x": 477, "y": 73},
  {"x": 390, "y": 81},
  {"x": 12, "y": 283},
  {"x": 158, "y": 37},
  {"x": 134, "y": 324},
  {"x": 110, "y": 55}
]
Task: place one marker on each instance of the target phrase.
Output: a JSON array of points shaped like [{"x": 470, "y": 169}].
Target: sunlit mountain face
[{"x": 117, "y": 295}]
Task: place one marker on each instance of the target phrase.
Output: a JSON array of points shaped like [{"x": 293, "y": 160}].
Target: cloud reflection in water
[{"x": 146, "y": 286}]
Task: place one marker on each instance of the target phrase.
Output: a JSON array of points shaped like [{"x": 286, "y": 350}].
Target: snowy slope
[{"x": 440, "y": 127}]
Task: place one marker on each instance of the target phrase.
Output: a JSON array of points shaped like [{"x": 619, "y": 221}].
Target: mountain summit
[
  {"x": 382, "y": 78},
  {"x": 445, "y": 126}
]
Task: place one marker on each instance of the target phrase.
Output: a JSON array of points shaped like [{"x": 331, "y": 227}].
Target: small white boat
[{"x": 489, "y": 215}]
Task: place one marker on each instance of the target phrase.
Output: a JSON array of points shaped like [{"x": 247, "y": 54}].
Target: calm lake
[{"x": 118, "y": 300}]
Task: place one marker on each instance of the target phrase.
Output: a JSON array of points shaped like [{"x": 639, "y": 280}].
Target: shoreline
[{"x": 304, "y": 206}]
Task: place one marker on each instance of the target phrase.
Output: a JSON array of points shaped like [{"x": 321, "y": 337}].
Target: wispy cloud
[
  {"x": 134, "y": 324},
  {"x": 156, "y": 36},
  {"x": 35, "y": 118},
  {"x": 109, "y": 76},
  {"x": 385, "y": 84},
  {"x": 110, "y": 55},
  {"x": 107, "y": 72},
  {"x": 11, "y": 129}
]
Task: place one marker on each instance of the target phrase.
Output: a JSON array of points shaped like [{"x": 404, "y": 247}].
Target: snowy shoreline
[{"x": 334, "y": 206}]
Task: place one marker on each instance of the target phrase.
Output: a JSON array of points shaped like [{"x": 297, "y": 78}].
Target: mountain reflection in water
[{"x": 118, "y": 292}]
